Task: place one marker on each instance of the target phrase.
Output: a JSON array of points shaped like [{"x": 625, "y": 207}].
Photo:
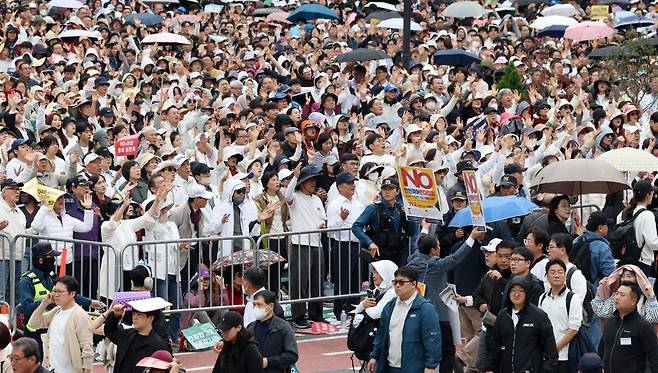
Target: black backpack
[
  {"x": 623, "y": 243},
  {"x": 360, "y": 338},
  {"x": 588, "y": 312},
  {"x": 581, "y": 256}
]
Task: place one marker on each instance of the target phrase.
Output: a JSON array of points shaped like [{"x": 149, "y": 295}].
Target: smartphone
[{"x": 369, "y": 293}]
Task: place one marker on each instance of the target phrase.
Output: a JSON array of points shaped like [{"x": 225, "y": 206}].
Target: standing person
[
  {"x": 136, "y": 342},
  {"x": 629, "y": 342},
  {"x": 12, "y": 223},
  {"x": 25, "y": 357},
  {"x": 346, "y": 269},
  {"x": 254, "y": 281},
  {"x": 383, "y": 274},
  {"x": 563, "y": 309},
  {"x": 238, "y": 351},
  {"x": 522, "y": 338},
  {"x": 274, "y": 336},
  {"x": 305, "y": 256},
  {"x": 388, "y": 229},
  {"x": 408, "y": 336},
  {"x": 537, "y": 241},
  {"x": 559, "y": 248},
  {"x": 68, "y": 345},
  {"x": 433, "y": 272},
  {"x": 520, "y": 266}
]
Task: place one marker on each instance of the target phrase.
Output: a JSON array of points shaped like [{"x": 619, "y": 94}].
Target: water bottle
[{"x": 343, "y": 321}]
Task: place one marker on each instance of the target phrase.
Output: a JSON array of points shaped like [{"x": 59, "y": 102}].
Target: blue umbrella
[
  {"x": 455, "y": 57},
  {"x": 308, "y": 12},
  {"x": 555, "y": 31},
  {"x": 147, "y": 19},
  {"x": 495, "y": 209},
  {"x": 633, "y": 21}
]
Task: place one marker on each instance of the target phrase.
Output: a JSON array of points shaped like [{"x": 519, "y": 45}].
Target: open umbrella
[
  {"x": 455, "y": 57},
  {"x": 566, "y": 10},
  {"x": 308, "y": 12},
  {"x": 68, "y": 4},
  {"x": 76, "y": 34},
  {"x": 630, "y": 160},
  {"x": 147, "y": 19},
  {"x": 588, "y": 30},
  {"x": 279, "y": 17},
  {"x": 164, "y": 38},
  {"x": 528, "y": 2},
  {"x": 495, "y": 209},
  {"x": 264, "y": 12},
  {"x": 381, "y": 5},
  {"x": 544, "y": 22},
  {"x": 610, "y": 50},
  {"x": 556, "y": 31},
  {"x": 362, "y": 54},
  {"x": 246, "y": 258},
  {"x": 464, "y": 9},
  {"x": 614, "y": 2},
  {"x": 382, "y": 15},
  {"x": 575, "y": 177},
  {"x": 634, "y": 21},
  {"x": 397, "y": 24}
]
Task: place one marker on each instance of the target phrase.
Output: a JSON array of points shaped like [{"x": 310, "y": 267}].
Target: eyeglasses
[
  {"x": 240, "y": 191},
  {"x": 400, "y": 282},
  {"x": 59, "y": 291},
  {"x": 513, "y": 259},
  {"x": 517, "y": 291},
  {"x": 169, "y": 169},
  {"x": 16, "y": 358}
]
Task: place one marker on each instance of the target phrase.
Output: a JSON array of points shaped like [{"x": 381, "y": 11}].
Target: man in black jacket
[
  {"x": 520, "y": 261},
  {"x": 274, "y": 336},
  {"x": 628, "y": 340},
  {"x": 522, "y": 338}
]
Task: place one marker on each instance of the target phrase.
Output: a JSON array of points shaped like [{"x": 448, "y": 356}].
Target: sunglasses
[{"x": 400, "y": 282}]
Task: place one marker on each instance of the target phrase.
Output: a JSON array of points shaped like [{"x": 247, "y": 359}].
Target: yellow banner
[
  {"x": 600, "y": 12},
  {"x": 39, "y": 191}
]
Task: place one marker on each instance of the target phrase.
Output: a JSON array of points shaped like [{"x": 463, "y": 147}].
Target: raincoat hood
[
  {"x": 386, "y": 270},
  {"x": 230, "y": 186},
  {"x": 605, "y": 130},
  {"x": 517, "y": 280}
]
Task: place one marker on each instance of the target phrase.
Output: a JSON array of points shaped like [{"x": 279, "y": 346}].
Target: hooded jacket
[
  {"x": 527, "y": 347},
  {"x": 386, "y": 270},
  {"x": 605, "y": 130},
  {"x": 248, "y": 214}
]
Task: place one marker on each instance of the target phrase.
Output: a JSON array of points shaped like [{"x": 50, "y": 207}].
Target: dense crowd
[{"x": 153, "y": 132}]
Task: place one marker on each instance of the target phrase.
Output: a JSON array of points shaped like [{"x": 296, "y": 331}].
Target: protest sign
[
  {"x": 127, "y": 145},
  {"x": 600, "y": 12},
  {"x": 39, "y": 192},
  {"x": 474, "y": 201},
  {"x": 201, "y": 336},
  {"x": 419, "y": 194}
]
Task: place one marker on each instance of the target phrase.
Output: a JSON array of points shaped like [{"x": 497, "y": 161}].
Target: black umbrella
[
  {"x": 362, "y": 54},
  {"x": 614, "y": 2},
  {"x": 608, "y": 51},
  {"x": 455, "y": 57},
  {"x": 382, "y": 15}
]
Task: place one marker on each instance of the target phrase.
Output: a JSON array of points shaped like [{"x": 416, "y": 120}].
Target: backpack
[
  {"x": 581, "y": 256},
  {"x": 588, "y": 312},
  {"x": 361, "y": 334},
  {"x": 623, "y": 243}
]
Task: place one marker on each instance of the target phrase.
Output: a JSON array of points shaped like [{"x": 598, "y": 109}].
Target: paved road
[{"x": 327, "y": 354}]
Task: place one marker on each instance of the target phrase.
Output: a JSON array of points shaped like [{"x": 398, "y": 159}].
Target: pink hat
[
  {"x": 500, "y": 60},
  {"x": 506, "y": 117},
  {"x": 160, "y": 359},
  {"x": 627, "y": 109}
]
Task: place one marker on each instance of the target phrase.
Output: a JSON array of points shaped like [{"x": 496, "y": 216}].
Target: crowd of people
[{"x": 181, "y": 126}]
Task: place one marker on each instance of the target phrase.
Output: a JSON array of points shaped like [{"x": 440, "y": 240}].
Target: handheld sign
[
  {"x": 419, "y": 193},
  {"x": 474, "y": 201},
  {"x": 201, "y": 336},
  {"x": 127, "y": 145},
  {"x": 600, "y": 12}
]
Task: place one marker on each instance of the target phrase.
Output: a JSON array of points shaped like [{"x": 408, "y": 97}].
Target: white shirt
[
  {"x": 577, "y": 284},
  {"x": 16, "y": 226},
  {"x": 334, "y": 220},
  {"x": 306, "y": 213},
  {"x": 556, "y": 309},
  {"x": 395, "y": 328},
  {"x": 56, "y": 343},
  {"x": 18, "y": 171},
  {"x": 645, "y": 232}
]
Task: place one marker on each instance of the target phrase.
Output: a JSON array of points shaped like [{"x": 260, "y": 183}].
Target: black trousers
[
  {"x": 447, "y": 364},
  {"x": 85, "y": 271},
  {"x": 346, "y": 274},
  {"x": 305, "y": 274},
  {"x": 275, "y": 271}
]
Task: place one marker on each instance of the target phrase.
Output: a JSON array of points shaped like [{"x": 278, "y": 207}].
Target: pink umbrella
[
  {"x": 588, "y": 30},
  {"x": 280, "y": 17}
]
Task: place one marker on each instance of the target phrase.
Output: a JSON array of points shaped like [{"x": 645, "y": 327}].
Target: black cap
[
  {"x": 513, "y": 168},
  {"x": 490, "y": 109},
  {"x": 199, "y": 168},
  {"x": 508, "y": 181},
  {"x": 390, "y": 182},
  {"x": 106, "y": 112},
  {"x": 79, "y": 180},
  {"x": 460, "y": 195},
  {"x": 10, "y": 183},
  {"x": 344, "y": 178},
  {"x": 43, "y": 248},
  {"x": 230, "y": 319},
  {"x": 466, "y": 164}
]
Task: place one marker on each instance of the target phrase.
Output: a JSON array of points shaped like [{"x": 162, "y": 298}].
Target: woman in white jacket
[
  {"x": 119, "y": 232},
  {"x": 383, "y": 274}
]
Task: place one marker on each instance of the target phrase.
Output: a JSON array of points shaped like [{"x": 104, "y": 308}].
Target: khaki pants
[{"x": 470, "y": 320}]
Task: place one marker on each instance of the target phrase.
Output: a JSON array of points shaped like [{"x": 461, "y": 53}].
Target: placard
[
  {"x": 419, "y": 194},
  {"x": 202, "y": 336},
  {"x": 474, "y": 201},
  {"x": 127, "y": 145},
  {"x": 213, "y": 8},
  {"x": 39, "y": 191},
  {"x": 600, "y": 12}
]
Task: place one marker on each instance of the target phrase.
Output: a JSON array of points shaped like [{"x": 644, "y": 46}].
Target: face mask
[
  {"x": 238, "y": 199},
  {"x": 43, "y": 12},
  {"x": 118, "y": 91},
  {"x": 47, "y": 265},
  {"x": 205, "y": 181},
  {"x": 373, "y": 176},
  {"x": 533, "y": 143},
  {"x": 260, "y": 313},
  {"x": 244, "y": 290}
]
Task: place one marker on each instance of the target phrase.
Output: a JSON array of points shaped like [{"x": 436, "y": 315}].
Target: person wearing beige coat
[{"x": 77, "y": 345}]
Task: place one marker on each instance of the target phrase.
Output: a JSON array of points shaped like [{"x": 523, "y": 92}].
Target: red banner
[{"x": 128, "y": 145}]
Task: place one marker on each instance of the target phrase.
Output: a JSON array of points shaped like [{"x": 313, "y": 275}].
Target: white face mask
[
  {"x": 260, "y": 313},
  {"x": 373, "y": 176}
]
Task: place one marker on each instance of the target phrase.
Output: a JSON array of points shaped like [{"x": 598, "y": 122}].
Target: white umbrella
[
  {"x": 165, "y": 38},
  {"x": 465, "y": 9},
  {"x": 382, "y": 5},
  {"x": 630, "y": 160},
  {"x": 566, "y": 10},
  {"x": 81, "y": 33},
  {"x": 544, "y": 22},
  {"x": 69, "y": 4},
  {"x": 397, "y": 24}
]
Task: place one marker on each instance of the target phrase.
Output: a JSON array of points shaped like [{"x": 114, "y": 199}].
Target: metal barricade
[
  {"x": 7, "y": 268},
  {"x": 584, "y": 211},
  {"x": 82, "y": 260},
  {"x": 322, "y": 265}
]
